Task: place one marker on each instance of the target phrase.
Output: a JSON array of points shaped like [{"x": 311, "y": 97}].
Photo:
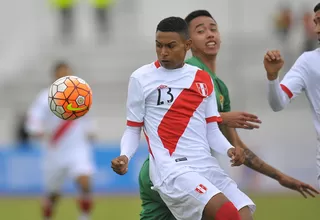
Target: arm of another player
[
  {"x": 215, "y": 138},
  {"x": 280, "y": 94},
  {"x": 240, "y": 120},
  {"x": 131, "y": 137},
  {"x": 237, "y": 119},
  {"x": 36, "y": 116},
  {"x": 254, "y": 162}
]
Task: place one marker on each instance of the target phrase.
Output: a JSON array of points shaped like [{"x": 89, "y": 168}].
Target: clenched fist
[
  {"x": 273, "y": 62},
  {"x": 237, "y": 156},
  {"x": 120, "y": 165}
]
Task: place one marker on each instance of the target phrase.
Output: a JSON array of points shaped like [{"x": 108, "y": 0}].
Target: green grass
[{"x": 273, "y": 207}]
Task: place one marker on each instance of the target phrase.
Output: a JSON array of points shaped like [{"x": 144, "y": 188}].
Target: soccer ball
[{"x": 70, "y": 97}]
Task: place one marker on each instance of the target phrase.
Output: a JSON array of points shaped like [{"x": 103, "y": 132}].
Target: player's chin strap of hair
[{"x": 130, "y": 141}]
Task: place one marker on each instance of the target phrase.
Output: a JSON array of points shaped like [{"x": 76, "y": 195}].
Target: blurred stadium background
[{"x": 31, "y": 42}]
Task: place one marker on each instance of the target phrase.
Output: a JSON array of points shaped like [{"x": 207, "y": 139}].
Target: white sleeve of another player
[
  {"x": 36, "y": 115},
  {"x": 130, "y": 141},
  {"x": 217, "y": 141},
  {"x": 293, "y": 83},
  {"x": 135, "y": 104}
]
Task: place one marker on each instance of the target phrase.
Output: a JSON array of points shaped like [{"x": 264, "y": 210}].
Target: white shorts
[
  {"x": 56, "y": 172},
  {"x": 187, "y": 195}
]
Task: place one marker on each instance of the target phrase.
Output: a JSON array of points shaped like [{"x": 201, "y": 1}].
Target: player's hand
[
  {"x": 120, "y": 165},
  {"x": 237, "y": 156},
  {"x": 240, "y": 120},
  {"x": 297, "y": 185},
  {"x": 273, "y": 62}
]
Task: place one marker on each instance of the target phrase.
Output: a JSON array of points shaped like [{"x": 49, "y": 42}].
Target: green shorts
[{"x": 153, "y": 208}]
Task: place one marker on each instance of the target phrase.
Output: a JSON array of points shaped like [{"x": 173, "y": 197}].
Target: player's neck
[{"x": 209, "y": 61}]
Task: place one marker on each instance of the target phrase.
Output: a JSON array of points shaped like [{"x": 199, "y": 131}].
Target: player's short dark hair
[
  {"x": 174, "y": 24},
  {"x": 58, "y": 65},
  {"x": 316, "y": 8},
  {"x": 197, "y": 13}
]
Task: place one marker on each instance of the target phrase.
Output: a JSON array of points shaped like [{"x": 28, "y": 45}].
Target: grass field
[{"x": 127, "y": 208}]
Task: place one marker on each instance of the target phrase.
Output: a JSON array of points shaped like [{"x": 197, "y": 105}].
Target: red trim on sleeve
[
  {"x": 157, "y": 64},
  {"x": 286, "y": 90},
  {"x": 134, "y": 124},
  {"x": 214, "y": 119}
]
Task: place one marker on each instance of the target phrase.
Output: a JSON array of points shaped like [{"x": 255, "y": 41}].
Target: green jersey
[{"x": 152, "y": 205}]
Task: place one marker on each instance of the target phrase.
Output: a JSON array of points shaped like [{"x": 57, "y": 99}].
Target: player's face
[
  {"x": 63, "y": 71},
  {"x": 317, "y": 24},
  {"x": 171, "y": 49},
  {"x": 205, "y": 35}
]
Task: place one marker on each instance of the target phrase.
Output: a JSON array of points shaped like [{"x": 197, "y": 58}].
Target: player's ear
[{"x": 188, "y": 44}]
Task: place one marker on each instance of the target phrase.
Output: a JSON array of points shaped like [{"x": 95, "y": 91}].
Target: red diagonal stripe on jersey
[
  {"x": 60, "y": 131},
  {"x": 177, "y": 118}
]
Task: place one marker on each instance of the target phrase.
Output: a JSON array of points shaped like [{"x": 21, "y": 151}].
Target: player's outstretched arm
[
  {"x": 280, "y": 94},
  {"x": 240, "y": 120},
  {"x": 254, "y": 162}
]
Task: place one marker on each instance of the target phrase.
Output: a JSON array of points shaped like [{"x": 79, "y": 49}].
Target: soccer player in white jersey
[
  {"x": 303, "y": 76},
  {"x": 175, "y": 103},
  {"x": 67, "y": 150}
]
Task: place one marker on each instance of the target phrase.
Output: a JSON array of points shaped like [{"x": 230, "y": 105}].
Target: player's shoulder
[
  {"x": 191, "y": 67},
  {"x": 40, "y": 101},
  {"x": 200, "y": 74},
  {"x": 43, "y": 94},
  {"x": 145, "y": 70},
  {"x": 310, "y": 55}
]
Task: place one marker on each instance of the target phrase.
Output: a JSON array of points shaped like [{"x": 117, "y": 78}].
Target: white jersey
[
  {"x": 305, "y": 76},
  {"x": 64, "y": 139},
  {"x": 173, "y": 106}
]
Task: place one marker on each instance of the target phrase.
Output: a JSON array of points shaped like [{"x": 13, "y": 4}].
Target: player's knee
[
  {"x": 245, "y": 213},
  {"x": 53, "y": 197},
  {"x": 84, "y": 183},
  {"x": 220, "y": 208},
  {"x": 227, "y": 212}
]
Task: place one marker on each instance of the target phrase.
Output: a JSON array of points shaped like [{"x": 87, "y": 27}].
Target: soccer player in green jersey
[{"x": 206, "y": 42}]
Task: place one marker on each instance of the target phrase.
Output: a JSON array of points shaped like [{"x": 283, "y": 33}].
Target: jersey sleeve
[
  {"x": 295, "y": 81},
  {"x": 135, "y": 104},
  {"x": 212, "y": 114},
  {"x": 37, "y": 114}
]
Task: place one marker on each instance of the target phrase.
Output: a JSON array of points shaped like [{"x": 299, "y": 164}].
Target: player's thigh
[
  {"x": 153, "y": 206},
  {"x": 229, "y": 188},
  {"x": 54, "y": 178},
  {"x": 81, "y": 171},
  {"x": 187, "y": 195},
  {"x": 239, "y": 199}
]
